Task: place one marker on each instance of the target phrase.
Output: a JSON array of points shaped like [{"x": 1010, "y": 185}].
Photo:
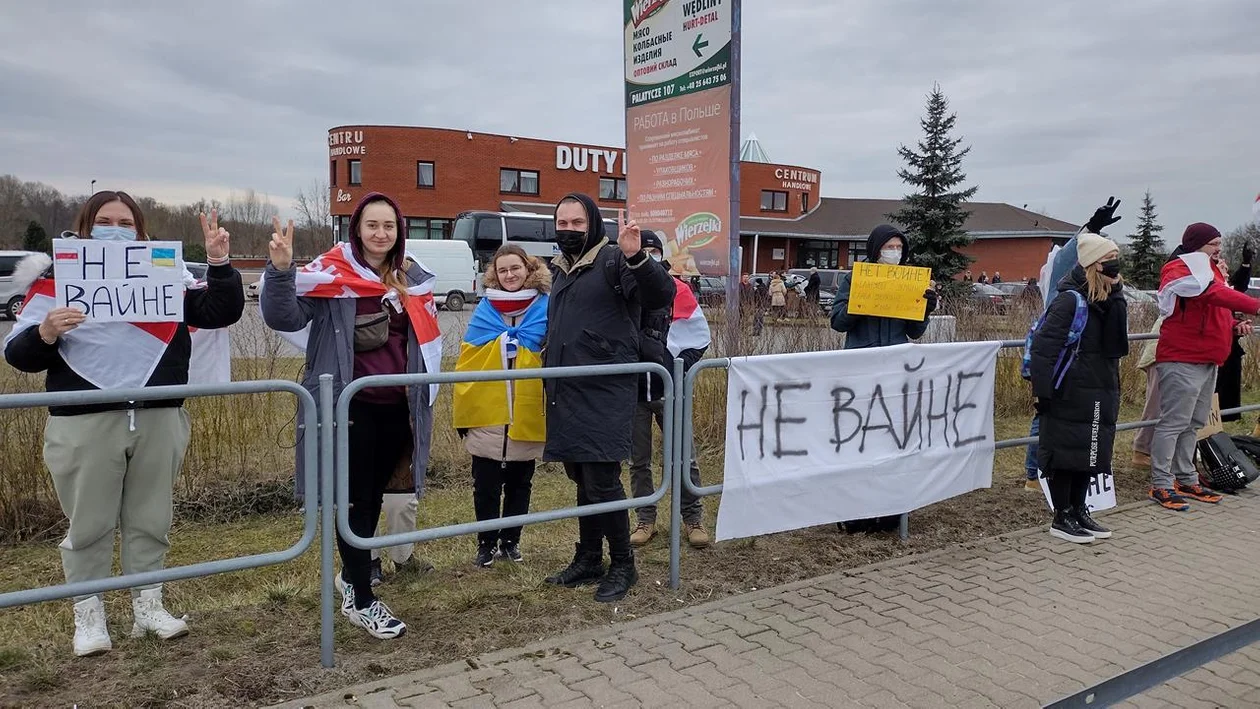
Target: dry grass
[{"x": 255, "y": 634}]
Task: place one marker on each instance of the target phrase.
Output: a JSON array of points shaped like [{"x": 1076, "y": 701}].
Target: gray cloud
[{"x": 1063, "y": 103}]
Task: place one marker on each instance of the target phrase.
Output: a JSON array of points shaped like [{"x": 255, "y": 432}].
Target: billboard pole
[{"x": 733, "y": 290}]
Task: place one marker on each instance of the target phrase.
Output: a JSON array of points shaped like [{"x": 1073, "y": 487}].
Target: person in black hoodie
[
  {"x": 886, "y": 245},
  {"x": 114, "y": 465},
  {"x": 1077, "y": 388},
  {"x": 597, "y": 295}
]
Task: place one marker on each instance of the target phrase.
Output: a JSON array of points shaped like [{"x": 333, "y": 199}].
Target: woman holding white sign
[
  {"x": 114, "y": 465},
  {"x": 370, "y": 311},
  {"x": 1075, "y": 366}
]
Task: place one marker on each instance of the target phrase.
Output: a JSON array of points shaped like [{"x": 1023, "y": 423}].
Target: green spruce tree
[
  {"x": 1146, "y": 249},
  {"x": 933, "y": 216},
  {"x": 36, "y": 239}
]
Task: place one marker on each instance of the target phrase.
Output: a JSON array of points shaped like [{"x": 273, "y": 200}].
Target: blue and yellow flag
[{"x": 489, "y": 344}]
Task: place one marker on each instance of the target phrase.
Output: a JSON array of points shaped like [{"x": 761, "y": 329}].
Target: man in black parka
[{"x": 598, "y": 292}]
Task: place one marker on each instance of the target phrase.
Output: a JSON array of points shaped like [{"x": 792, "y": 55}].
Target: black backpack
[{"x": 1228, "y": 464}]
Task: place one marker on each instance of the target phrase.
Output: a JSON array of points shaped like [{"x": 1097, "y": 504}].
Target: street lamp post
[{"x": 92, "y": 189}]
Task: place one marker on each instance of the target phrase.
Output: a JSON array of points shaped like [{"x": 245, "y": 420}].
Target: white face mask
[{"x": 891, "y": 257}]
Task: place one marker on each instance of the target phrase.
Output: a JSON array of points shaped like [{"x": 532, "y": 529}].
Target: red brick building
[{"x": 437, "y": 173}]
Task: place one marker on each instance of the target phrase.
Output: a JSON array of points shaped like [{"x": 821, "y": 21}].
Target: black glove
[
  {"x": 1042, "y": 406},
  {"x": 1103, "y": 217},
  {"x": 1247, "y": 253},
  {"x": 930, "y": 296}
]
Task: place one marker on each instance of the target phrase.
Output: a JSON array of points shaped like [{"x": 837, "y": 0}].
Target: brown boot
[
  {"x": 1141, "y": 460},
  {"x": 642, "y": 534},
  {"x": 697, "y": 536}
]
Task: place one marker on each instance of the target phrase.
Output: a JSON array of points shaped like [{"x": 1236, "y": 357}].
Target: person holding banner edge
[
  {"x": 598, "y": 292},
  {"x": 370, "y": 311},
  {"x": 887, "y": 245},
  {"x": 1077, "y": 385},
  {"x": 115, "y": 465}
]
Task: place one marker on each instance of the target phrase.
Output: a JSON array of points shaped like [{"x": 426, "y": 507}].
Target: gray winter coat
[{"x": 330, "y": 350}]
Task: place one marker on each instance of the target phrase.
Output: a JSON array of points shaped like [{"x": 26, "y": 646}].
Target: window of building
[
  {"x": 356, "y": 173},
  {"x": 857, "y": 252},
  {"x": 332, "y": 173},
  {"x": 773, "y": 201},
  {"x": 428, "y": 228},
  {"x": 613, "y": 188},
  {"x": 424, "y": 174},
  {"x": 804, "y": 202},
  {"x": 341, "y": 228},
  {"x": 512, "y": 181},
  {"x": 817, "y": 254}
]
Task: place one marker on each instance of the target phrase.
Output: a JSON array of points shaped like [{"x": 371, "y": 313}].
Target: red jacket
[{"x": 1200, "y": 329}]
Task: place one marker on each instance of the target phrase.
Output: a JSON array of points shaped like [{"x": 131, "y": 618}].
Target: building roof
[
  {"x": 845, "y": 218},
  {"x": 752, "y": 151},
  {"x": 842, "y": 218}
]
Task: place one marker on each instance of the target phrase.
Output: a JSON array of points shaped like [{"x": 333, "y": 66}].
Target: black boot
[
  {"x": 1066, "y": 527},
  {"x": 622, "y": 576},
  {"x": 587, "y": 568},
  {"x": 1081, "y": 514}
]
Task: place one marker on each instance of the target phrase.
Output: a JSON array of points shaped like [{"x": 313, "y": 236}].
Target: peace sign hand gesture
[
  {"x": 216, "y": 236},
  {"x": 628, "y": 236},
  {"x": 281, "y": 245}
]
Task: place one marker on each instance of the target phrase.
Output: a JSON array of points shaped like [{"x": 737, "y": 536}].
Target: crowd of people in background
[{"x": 365, "y": 307}]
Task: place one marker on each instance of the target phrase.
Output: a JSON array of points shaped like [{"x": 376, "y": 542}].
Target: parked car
[
  {"x": 197, "y": 269},
  {"x": 11, "y": 294},
  {"x": 712, "y": 291},
  {"x": 984, "y": 298},
  {"x": 828, "y": 283}
]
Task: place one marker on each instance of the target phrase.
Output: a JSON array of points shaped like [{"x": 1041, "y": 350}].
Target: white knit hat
[{"x": 1091, "y": 248}]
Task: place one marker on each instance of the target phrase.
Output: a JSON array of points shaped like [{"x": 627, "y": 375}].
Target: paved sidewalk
[{"x": 1014, "y": 621}]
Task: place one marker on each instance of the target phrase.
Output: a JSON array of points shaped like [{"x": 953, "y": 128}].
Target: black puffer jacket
[
  {"x": 1078, "y": 419},
  {"x": 593, "y": 317}
]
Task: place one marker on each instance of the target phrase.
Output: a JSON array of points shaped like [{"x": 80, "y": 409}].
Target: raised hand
[
  {"x": 216, "y": 236},
  {"x": 628, "y": 236},
  {"x": 281, "y": 245},
  {"x": 1103, "y": 217}
]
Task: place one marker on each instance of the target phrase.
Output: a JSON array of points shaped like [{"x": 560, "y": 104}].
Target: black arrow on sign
[{"x": 697, "y": 45}]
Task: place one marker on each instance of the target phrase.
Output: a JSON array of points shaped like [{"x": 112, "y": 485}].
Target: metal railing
[
  {"x": 307, "y": 432},
  {"x": 338, "y": 422}
]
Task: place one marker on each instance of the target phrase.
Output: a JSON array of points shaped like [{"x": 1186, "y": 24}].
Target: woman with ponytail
[
  {"x": 503, "y": 423},
  {"x": 370, "y": 311}
]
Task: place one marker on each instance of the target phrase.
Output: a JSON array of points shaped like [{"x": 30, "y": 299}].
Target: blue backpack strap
[{"x": 1080, "y": 318}]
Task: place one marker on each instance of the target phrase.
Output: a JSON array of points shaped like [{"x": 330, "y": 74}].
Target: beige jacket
[{"x": 1148, "y": 351}]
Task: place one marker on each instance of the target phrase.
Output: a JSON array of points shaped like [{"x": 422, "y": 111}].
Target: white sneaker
[
  {"x": 347, "y": 596},
  {"x": 378, "y": 620},
  {"x": 151, "y": 617},
  {"x": 91, "y": 637}
]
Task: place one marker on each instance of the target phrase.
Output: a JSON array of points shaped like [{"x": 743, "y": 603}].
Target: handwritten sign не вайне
[
  {"x": 820, "y": 437},
  {"x": 889, "y": 291},
  {"x": 120, "y": 281}
]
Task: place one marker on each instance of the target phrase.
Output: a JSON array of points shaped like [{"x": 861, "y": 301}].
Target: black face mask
[
  {"x": 570, "y": 241},
  {"x": 1111, "y": 268}
]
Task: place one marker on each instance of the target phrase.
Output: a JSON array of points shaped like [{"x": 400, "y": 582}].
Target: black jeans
[
  {"x": 1068, "y": 490},
  {"x": 601, "y": 482},
  {"x": 379, "y": 437},
  {"x": 508, "y": 483}
]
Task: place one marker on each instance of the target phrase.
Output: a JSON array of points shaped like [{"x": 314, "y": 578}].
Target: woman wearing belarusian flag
[
  {"x": 114, "y": 465},
  {"x": 503, "y": 423},
  {"x": 365, "y": 308}
]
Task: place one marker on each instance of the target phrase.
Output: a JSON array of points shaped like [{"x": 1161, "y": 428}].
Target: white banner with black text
[{"x": 821, "y": 437}]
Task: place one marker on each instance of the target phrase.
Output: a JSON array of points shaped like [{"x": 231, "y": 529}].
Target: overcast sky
[{"x": 1064, "y": 103}]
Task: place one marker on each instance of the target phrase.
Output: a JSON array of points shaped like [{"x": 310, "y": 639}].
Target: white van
[
  {"x": 11, "y": 294},
  {"x": 452, "y": 263}
]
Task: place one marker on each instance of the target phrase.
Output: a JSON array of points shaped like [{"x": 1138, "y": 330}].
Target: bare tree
[{"x": 313, "y": 204}]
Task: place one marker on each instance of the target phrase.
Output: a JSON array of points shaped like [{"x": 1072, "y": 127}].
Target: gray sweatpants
[
  {"x": 1150, "y": 412},
  {"x": 1185, "y": 402},
  {"x": 641, "y": 465},
  {"x": 116, "y": 469}
]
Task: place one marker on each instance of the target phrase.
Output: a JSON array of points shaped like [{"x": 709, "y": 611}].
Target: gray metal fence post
[
  {"x": 327, "y": 529},
  {"x": 682, "y": 466}
]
